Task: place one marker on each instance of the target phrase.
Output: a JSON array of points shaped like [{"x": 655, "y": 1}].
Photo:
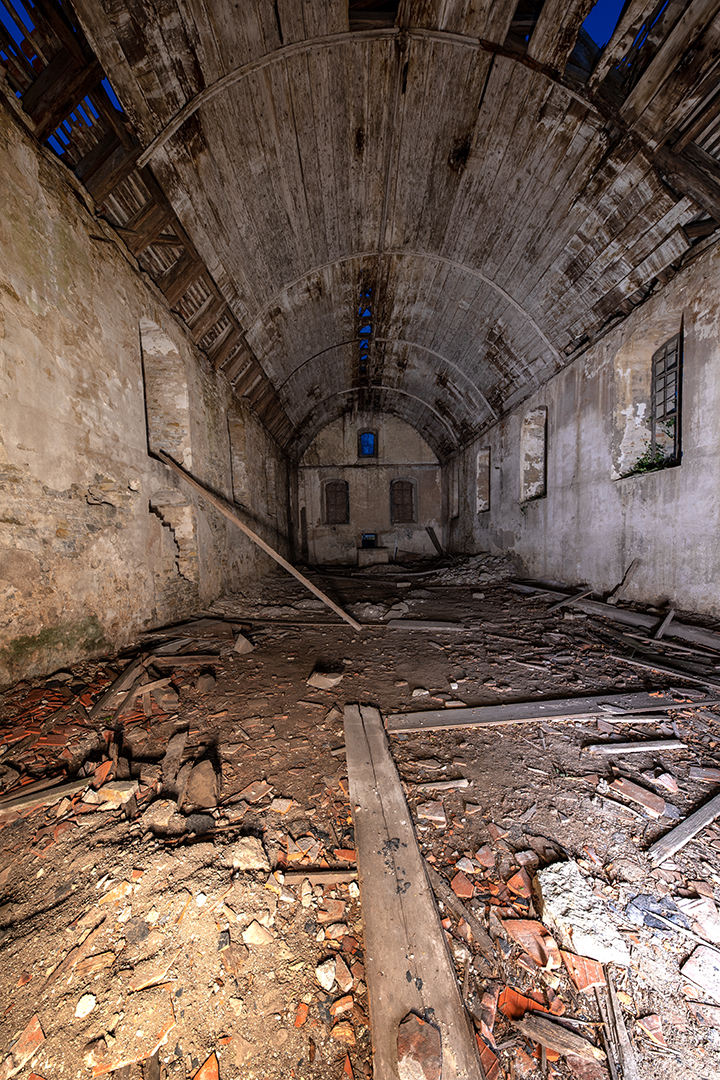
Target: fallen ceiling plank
[
  {"x": 407, "y": 962},
  {"x": 697, "y": 634},
  {"x": 528, "y": 712},
  {"x": 678, "y": 837},
  {"x": 219, "y": 505}
]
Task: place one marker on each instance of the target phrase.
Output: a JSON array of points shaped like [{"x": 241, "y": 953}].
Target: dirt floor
[{"x": 193, "y": 897}]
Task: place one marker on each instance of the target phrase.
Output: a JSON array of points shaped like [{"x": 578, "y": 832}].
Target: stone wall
[
  {"x": 402, "y": 454},
  {"x": 97, "y": 539},
  {"x": 592, "y": 520}
]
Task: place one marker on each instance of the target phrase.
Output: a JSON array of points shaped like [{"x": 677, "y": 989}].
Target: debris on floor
[{"x": 178, "y": 870}]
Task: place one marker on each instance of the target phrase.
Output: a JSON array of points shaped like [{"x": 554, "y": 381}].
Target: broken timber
[
  {"x": 408, "y": 965},
  {"x": 666, "y": 847},
  {"x": 220, "y": 505},
  {"x": 605, "y": 706}
]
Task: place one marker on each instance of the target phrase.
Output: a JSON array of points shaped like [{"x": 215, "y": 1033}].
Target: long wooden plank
[
  {"x": 678, "y": 837},
  {"x": 528, "y": 712},
  {"x": 219, "y": 505},
  {"x": 697, "y": 634},
  {"x": 693, "y": 20},
  {"x": 556, "y": 31},
  {"x": 407, "y": 962},
  {"x": 621, "y": 40}
]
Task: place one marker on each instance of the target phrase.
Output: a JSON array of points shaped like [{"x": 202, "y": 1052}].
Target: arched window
[
  {"x": 337, "y": 504},
  {"x": 402, "y": 501}
]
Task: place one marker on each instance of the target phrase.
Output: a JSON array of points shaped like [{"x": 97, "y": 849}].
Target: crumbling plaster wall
[
  {"x": 402, "y": 454},
  {"x": 591, "y": 524},
  {"x": 97, "y": 539}
]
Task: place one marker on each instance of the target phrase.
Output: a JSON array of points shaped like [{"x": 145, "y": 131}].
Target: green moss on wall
[{"x": 85, "y": 637}]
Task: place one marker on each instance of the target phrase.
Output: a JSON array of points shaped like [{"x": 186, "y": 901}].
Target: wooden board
[
  {"x": 407, "y": 962},
  {"x": 666, "y": 847},
  {"x": 529, "y": 712}
]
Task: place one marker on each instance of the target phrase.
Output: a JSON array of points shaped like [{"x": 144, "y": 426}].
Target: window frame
[
  {"x": 367, "y": 431},
  {"x": 326, "y": 507},
  {"x": 413, "y": 490},
  {"x": 659, "y": 372}
]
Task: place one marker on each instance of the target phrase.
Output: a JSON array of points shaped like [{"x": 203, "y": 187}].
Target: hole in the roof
[{"x": 602, "y": 19}]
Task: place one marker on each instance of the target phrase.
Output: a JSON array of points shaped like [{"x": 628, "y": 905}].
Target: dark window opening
[
  {"x": 337, "y": 503},
  {"x": 367, "y": 444},
  {"x": 369, "y": 540},
  {"x": 372, "y": 14},
  {"x": 665, "y": 403},
  {"x": 402, "y": 501}
]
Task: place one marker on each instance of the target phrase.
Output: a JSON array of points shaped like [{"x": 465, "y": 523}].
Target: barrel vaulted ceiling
[{"x": 493, "y": 188}]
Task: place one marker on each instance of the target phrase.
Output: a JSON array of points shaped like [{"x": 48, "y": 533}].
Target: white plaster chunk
[{"x": 579, "y": 920}]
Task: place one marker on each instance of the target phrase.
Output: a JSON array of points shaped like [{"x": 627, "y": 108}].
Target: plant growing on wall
[{"x": 662, "y": 457}]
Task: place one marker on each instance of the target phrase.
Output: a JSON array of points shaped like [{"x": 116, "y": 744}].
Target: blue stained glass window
[{"x": 367, "y": 444}]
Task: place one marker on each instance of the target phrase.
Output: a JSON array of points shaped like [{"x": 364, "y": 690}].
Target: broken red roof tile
[
  {"x": 490, "y": 1064},
  {"x": 652, "y": 1027},
  {"x": 23, "y": 1048},
  {"x": 535, "y": 939},
  {"x": 584, "y": 973},
  {"x": 208, "y": 1070}
]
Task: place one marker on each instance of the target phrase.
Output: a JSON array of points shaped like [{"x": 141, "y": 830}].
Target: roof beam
[
  {"x": 689, "y": 26},
  {"x": 623, "y": 36},
  {"x": 557, "y": 30},
  {"x": 686, "y": 174}
]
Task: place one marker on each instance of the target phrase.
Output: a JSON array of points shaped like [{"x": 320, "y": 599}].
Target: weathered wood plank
[
  {"x": 690, "y": 25},
  {"x": 530, "y": 712},
  {"x": 178, "y": 279},
  {"x": 407, "y": 962},
  {"x": 556, "y": 31},
  {"x": 622, "y": 38},
  {"x": 678, "y": 837}
]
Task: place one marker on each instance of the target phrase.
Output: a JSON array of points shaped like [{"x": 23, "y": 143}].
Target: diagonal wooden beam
[
  {"x": 57, "y": 90},
  {"x": 557, "y": 30},
  {"x": 623, "y": 36},
  {"x": 178, "y": 279}
]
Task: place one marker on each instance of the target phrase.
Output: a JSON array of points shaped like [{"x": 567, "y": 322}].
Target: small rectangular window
[
  {"x": 367, "y": 444},
  {"x": 483, "y": 481},
  {"x": 402, "y": 501},
  {"x": 337, "y": 505},
  {"x": 665, "y": 402}
]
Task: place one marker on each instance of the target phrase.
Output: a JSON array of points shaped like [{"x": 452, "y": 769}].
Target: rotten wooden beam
[
  {"x": 554, "y": 1036},
  {"x": 690, "y": 178},
  {"x": 556, "y": 31},
  {"x": 116, "y": 168}
]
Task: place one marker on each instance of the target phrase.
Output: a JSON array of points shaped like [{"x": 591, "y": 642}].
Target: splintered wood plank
[
  {"x": 407, "y": 962},
  {"x": 622, "y": 38},
  {"x": 677, "y": 838},
  {"x": 528, "y": 712},
  {"x": 691, "y": 23},
  {"x": 556, "y": 31}
]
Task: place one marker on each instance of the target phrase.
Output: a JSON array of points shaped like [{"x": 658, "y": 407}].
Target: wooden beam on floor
[
  {"x": 531, "y": 712},
  {"x": 407, "y": 962},
  {"x": 228, "y": 513}
]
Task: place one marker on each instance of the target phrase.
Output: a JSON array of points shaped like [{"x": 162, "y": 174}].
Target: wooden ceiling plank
[
  {"x": 116, "y": 168},
  {"x": 698, "y": 126},
  {"x": 687, "y": 176},
  {"x": 556, "y": 31},
  {"x": 99, "y": 98},
  {"x": 57, "y": 90},
  {"x": 52, "y": 15},
  {"x": 689, "y": 26},
  {"x": 146, "y": 224},
  {"x": 102, "y": 36},
  {"x": 99, "y": 153},
  {"x": 175, "y": 282},
  {"x": 206, "y": 316},
  {"x": 223, "y": 345},
  {"x": 202, "y": 38},
  {"x": 684, "y": 90},
  {"x": 622, "y": 38}
]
